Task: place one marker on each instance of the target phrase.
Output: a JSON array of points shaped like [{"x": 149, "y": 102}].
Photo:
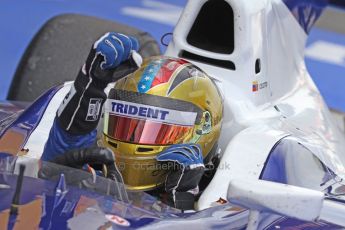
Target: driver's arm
[{"x": 112, "y": 57}]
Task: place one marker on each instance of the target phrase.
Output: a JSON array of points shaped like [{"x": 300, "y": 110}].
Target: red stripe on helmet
[{"x": 167, "y": 71}]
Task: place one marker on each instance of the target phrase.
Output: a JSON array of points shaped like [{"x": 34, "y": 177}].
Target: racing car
[{"x": 281, "y": 156}]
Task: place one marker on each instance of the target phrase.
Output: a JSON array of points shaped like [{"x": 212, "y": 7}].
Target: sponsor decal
[
  {"x": 94, "y": 109},
  {"x": 257, "y": 86},
  {"x": 68, "y": 207},
  {"x": 263, "y": 85},
  {"x": 153, "y": 113},
  {"x": 117, "y": 220}
]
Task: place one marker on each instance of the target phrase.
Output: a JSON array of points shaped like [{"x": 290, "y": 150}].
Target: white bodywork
[
  {"x": 255, "y": 121},
  {"x": 287, "y": 200}
]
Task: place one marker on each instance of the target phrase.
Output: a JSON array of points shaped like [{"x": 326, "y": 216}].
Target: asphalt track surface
[{"x": 21, "y": 19}]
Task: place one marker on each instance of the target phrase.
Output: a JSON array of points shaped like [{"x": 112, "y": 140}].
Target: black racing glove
[
  {"x": 111, "y": 58},
  {"x": 182, "y": 181},
  {"x": 94, "y": 156}
]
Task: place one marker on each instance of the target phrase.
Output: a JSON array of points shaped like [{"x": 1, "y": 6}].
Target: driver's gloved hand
[
  {"x": 79, "y": 157},
  {"x": 111, "y": 57},
  {"x": 182, "y": 181},
  {"x": 112, "y": 52}
]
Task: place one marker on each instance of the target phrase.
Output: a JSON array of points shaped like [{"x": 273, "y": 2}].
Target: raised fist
[{"x": 112, "y": 52}]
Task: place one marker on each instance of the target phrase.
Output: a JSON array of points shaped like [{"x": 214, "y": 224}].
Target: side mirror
[{"x": 287, "y": 200}]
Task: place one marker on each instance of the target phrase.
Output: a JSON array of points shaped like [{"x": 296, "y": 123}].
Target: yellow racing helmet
[{"x": 166, "y": 101}]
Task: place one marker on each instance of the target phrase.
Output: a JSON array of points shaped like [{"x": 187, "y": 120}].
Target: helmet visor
[
  {"x": 146, "y": 124},
  {"x": 140, "y": 131}
]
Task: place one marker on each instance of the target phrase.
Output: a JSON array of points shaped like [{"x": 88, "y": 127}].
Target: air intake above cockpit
[{"x": 213, "y": 28}]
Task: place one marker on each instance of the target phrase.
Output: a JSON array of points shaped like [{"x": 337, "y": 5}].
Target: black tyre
[{"x": 58, "y": 50}]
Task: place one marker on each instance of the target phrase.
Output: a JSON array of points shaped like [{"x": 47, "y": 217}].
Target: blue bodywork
[
  {"x": 29, "y": 119},
  {"x": 60, "y": 205},
  {"x": 63, "y": 206}
]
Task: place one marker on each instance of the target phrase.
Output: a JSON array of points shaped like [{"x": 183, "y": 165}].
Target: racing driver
[{"x": 161, "y": 120}]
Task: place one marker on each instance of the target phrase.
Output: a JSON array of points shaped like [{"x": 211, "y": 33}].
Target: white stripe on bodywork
[{"x": 39, "y": 136}]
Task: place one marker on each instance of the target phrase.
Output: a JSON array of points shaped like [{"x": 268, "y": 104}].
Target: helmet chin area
[{"x": 137, "y": 164}]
